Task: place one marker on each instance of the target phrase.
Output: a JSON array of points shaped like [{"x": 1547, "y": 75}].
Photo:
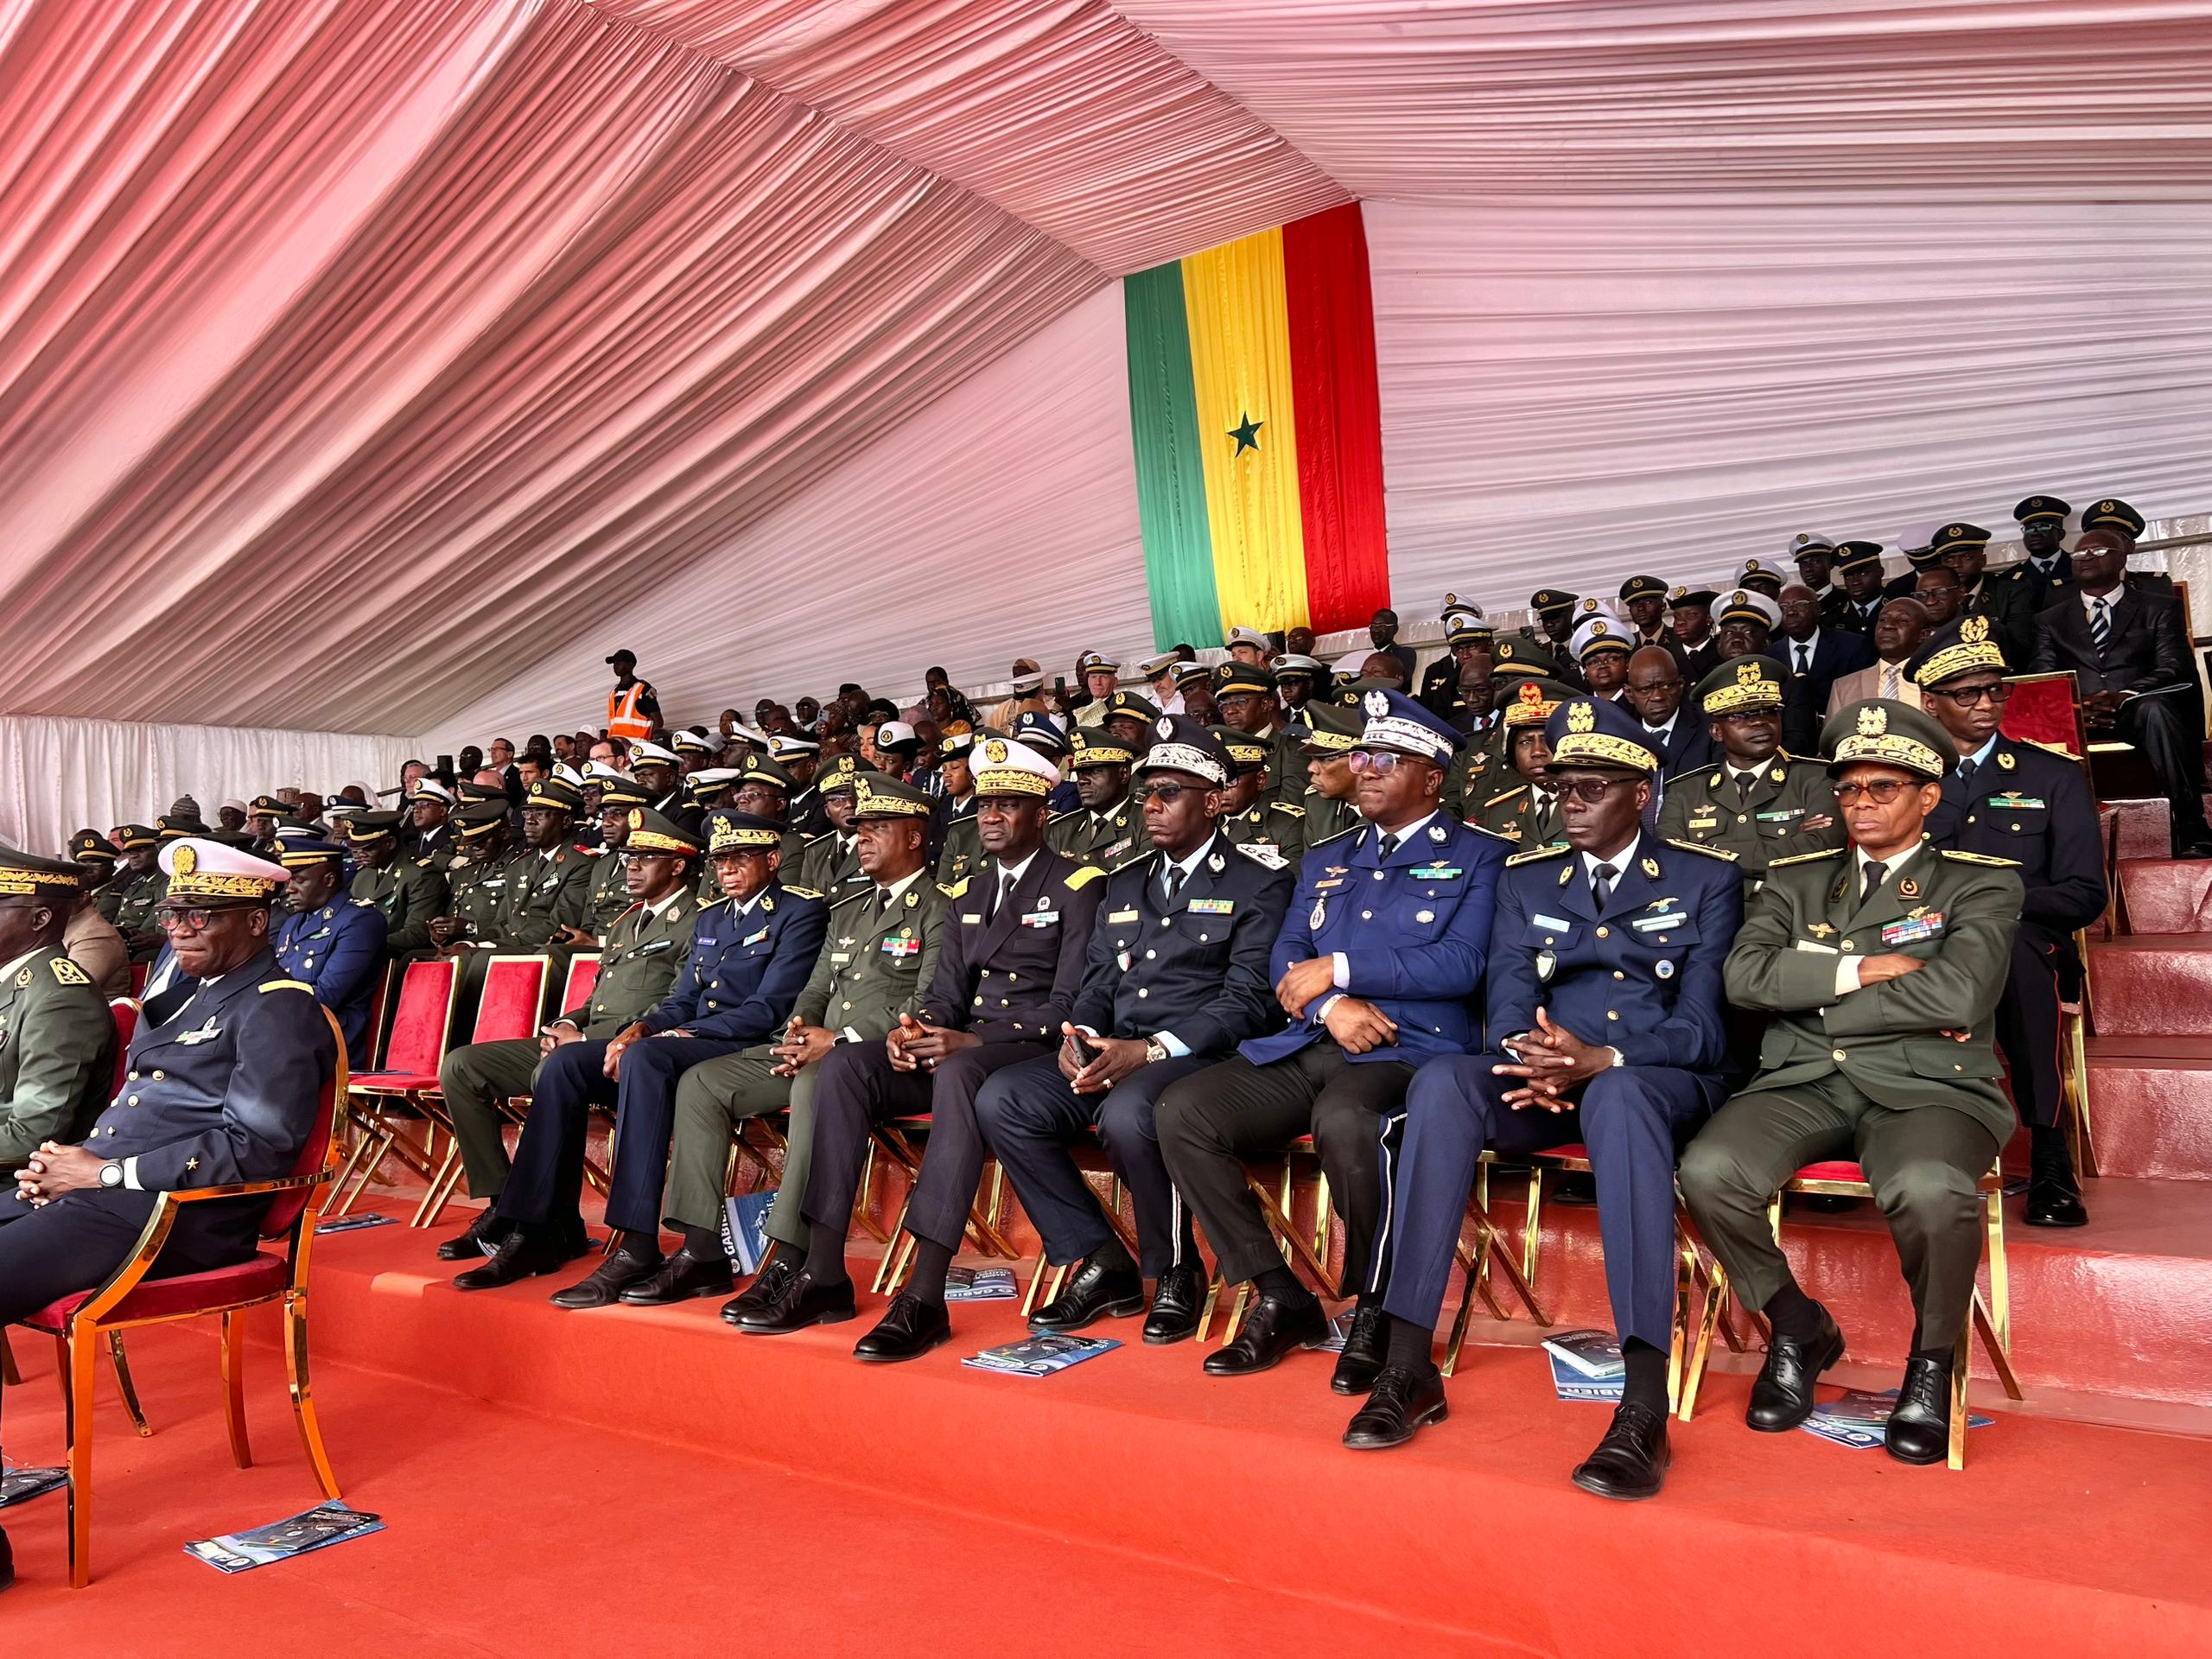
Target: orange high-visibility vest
[{"x": 623, "y": 719}]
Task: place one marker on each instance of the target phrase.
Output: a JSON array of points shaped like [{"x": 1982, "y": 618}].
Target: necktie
[
  {"x": 1890, "y": 673},
  {"x": 2100, "y": 625},
  {"x": 1804, "y": 660},
  {"x": 1387, "y": 846},
  {"x": 1966, "y": 772},
  {"x": 1876, "y": 874},
  {"x": 882, "y": 901},
  {"x": 1743, "y": 782},
  {"x": 1175, "y": 874},
  {"x": 1601, "y": 886},
  {"x": 998, "y": 898}
]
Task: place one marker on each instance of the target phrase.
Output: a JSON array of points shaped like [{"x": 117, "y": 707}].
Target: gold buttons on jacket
[
  {"x": 1604, "y": 933},
  {"x": 1837, "y": 1056}
]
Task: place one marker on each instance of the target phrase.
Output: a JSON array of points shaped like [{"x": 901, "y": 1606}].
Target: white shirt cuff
[
  {"x": 1846, "y": 975},
  {"x": 850, "y": 1035},
  {"x": 1176, "y": 1047},
  {"x": 1343, "y": 980},
  {"x": 130, "y": 1175}
]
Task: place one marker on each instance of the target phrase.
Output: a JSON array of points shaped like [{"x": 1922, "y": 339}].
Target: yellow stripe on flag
[{"x": 1239, "y": 320}]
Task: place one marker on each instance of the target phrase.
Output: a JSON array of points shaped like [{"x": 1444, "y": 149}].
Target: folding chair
[
  {"x": 1092, "y": 1160},
  {"x": 1990, "y": 1319},
  {"x": 1278, "y": 1201},
  {"x": 420, "y": 1028},
  {"x": 78, "y": 1322},
  {"x": 894, "y": 1139},
  {"x": 508, "y": 1009}
]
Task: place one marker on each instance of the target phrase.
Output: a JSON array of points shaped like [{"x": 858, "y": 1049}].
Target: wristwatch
[
  {"x": 1154, "y": 1050},
  {"x": 111, "y": 1172}
]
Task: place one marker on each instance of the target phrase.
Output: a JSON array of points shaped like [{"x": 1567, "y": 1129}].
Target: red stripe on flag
[{"x": 1339, "y": 418}]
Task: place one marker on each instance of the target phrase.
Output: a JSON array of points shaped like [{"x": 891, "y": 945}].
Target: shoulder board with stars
[
  {"x": 1805, "y": 858},
  {"x": 1988, "y": 859},
  {"x": 269, "y": 985},
  {"x": 1721, "y": 853},
  {"x": 1281, "y": 806},
  {"x": 1079, "y": 878},
  {"x": 954, "y": 889},
  {"x": 797, "y": 892},
  {"x": 1549, "y": 849},
  {"x": 2048, "y": 748},
  {"x": 67, "y": 972},
  {"x": 1263, "y": 855}
]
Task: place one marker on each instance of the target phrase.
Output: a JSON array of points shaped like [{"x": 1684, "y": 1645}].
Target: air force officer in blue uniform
[
  {"x": 1376, "y": 967},
  {"x": 1606, "y": 1026},
  {"x": 332, "y": 941}
]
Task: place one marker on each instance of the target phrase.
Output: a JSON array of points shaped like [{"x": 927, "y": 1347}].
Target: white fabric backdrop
[{"x": 60, "y": 776}]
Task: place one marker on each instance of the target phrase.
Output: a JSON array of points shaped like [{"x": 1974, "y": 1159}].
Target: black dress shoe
[
  {"x": 681, "y": 1277},
  {"x": 766, "y": 1286},
  {"x": 523, "y": 1254},
  {"x": 1572, "y": 1186},
  {"x": 910, "y": 1330},
  {"x": 799, "y": 1303},
  {"x": 1920, "y": 1424},
  {"x": 1360, "y": 1362},
  {"x": 475, "y": 1242},
  {"x": 1176, "y": 1302},
  {"x": 2054, "y": 1194},
  {"x": 1273, "y": 1328},
  {"x": 607, "y": 1281},
  {"x": 1782, "y": 1398},
  {"x": 1400, "y": 1401},
  {"x": 1094, "y": 1293},
  {"x": 1631, "y": 1461},
  {"x": 7, "y": 1563}
]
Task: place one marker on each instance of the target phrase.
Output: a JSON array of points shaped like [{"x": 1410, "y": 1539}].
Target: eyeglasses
[
  {"x": 1881, "y": 791},
  {"x": 193, "y": 920},
  {"x": 1379, "y": 762},
  {"x": 1166, "y": 794},
  {"x": 1592, "y": 790},
  {"x": 1966, "y": 696},
  {"x": 1740, "y": 717}
]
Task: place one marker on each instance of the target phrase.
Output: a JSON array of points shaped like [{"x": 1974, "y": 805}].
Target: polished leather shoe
[
  {"x": 1919, "y": 1429},
  {"x": 766, "y": 1286},
  {"x": 910, "y": 1330},
  {"x": 475, "y": 1242},
  {"x": 799, "y": 1303},
  {"x": 1094, "y": 1293},
  {"x": 2054, "y": 1193},
  {"x": 1631, "y": 1461},
  {"x": 1782, "y": 1398},
  {"x": 1360, "y": 1362},
  {"x": 681, "y": 1277},
  {"x": 1400, "y": 1401},
  {"x": 1176, "y": 1301},
  {"x": 523, "y": 1254},
  {"x": 606, "y": 1282},
  {"x": 1273, "y": 1328}
]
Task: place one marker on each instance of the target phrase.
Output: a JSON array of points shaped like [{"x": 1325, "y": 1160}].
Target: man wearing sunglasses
[
  {"x": 1881, "y": 966},
  {"x": 2032, "y": 805},
  {"x": 1605, "y": 1005},
  {"x": 1755, "y": 799},
  {"x": 1377, "y": 966}
]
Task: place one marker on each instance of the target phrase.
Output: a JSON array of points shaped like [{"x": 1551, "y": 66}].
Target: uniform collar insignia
[
  {"x": 1908, "y": 888},
  {"x": 1820, "y": 930},
  {"x": 1650, "y": 867},
  {"x": 2004, "y": 758}
]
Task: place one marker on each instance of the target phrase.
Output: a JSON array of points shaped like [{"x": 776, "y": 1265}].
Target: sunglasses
[
  {"x": 1966, "y": 696},
  {"x": 195, "y": 919},
  {"x": 1592, "y": 790},
  {"x": 1166, "y": 794}
]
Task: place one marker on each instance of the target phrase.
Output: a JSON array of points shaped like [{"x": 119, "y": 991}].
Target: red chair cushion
[
  {"x": 189, "y": 1292},
  {"x": 394, "y": 1082},
  {"x": 584, "y": 974},
  {"x": 513, "y": 988},
  {"x": 1568, "y": 1149},
  {"x": 2042, "y": 711},
  {"x": 418, "y": 1027},
  {"x": 1832, "y": 1169}
]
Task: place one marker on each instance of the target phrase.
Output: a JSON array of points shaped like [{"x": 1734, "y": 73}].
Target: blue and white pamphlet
[
  {"x": 1040, "y": 1355},
  {"x": 311, "y": 1530},
  {"x": 1856, "y": 1418}
]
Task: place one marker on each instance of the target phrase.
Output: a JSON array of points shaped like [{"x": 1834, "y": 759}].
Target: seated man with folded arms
[
  {"x": 1882, "y": 965},
  {"x": 640, "y": 960},
  {"x": 1176, "y": 977},
  {"x": 1608, "y": 1028},
  {"x": 876, "y": 963},
  {"x": 1015, "y": 935},
  {"x": 1379, "y": 958}
]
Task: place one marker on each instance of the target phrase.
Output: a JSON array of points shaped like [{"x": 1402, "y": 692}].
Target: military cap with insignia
[
  {"x": 783, "y": 746},
  {"x": 131, "y": 837},
  {"x": 1760, "y": 577},
  {"x": 643, "y": 751},
  {"x": 303, "y": 852},
  {"x": 430, "y": 789},
  {"x": 1154, "y": 666},
  {"x": 620, "y": 791},
  {"x": 27, "y": 874},
  {"x": 1918, "y": 542},
  {"x": 1643, "y": 588},
  {"x": 1134, "y": 704},
  {"x": 1181, "y": 744},
  {"x": 1746, "y": 605},
  {"x": 1292, "y": 666},
  {"x": 480, "y": 818},
  {"x": 1247, "y": 753},
  {"x": 1186, "y": 672},
  {"x": 690, "y": 742},
  {"x": 1395, "y": 721},
  {"x": 89, "y": 847},
  {"x": 1891, "y": 733},
  {"x": 730, "y": 831},
  {"x": 1097, "y": 661},
  {"x": 1964, "y": 647},
  {"x": 879, "y": 795},
  {"x": 1353, "y": 693},
  {"x": 1551, "y": 599},
  {"x": 1007, "y": 766},
  {"x": 652, "y": 833},
  {"x": 266, "y": 806},
  {"x": 478, "y": 794},
  {"x": 1096, "y": 746},
  {"x": 839, "y": 773},
  {"x": 1597, "y": 732},
  {"x": 759, "y": 769},
  {"x": 953, "y": 745},
  {"x": 1248, "y": 636},
  {"x": 708, "y": 782},
  {"x": 2030, "y": 508},
  {"x": 1331, "y": 730},
  {"x": 373, "y": 826},
  {"x": 1949, "y": 537},
  {"x": 169, "y": 828},
  {"x": 1808, "y": 542},
  {"x": 1754, "y": 681},
  {"x": 1691, "y": 594},
  {"x": 1531, "y": 703},
  {"x": 553, "y": 794},
  {"x": 1594, "y": 636},
  {"x": 1040, "y": 731},
  {"x": 2112, "y": 514},
  {"x": 1229, "y": 678},
  {"x": 1849, "y": 555},
  {"x": 207, "y": 872},
  {"x": 1514, "y": 652}
]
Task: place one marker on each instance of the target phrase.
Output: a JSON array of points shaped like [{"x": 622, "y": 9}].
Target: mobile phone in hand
[{"x": 1085, "y": 1049}]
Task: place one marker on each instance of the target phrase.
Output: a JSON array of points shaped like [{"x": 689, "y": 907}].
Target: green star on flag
[{"x": 1246, "y": 432}]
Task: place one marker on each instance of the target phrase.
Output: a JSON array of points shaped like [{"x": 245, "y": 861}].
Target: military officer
[
  {"x": 1881, "y": 966},
  {"x": 958, "y": 849},
  {"x": 876, "y": 964},
  {"x": 1760, "y": 577},
  {"x": 406, "y": 893},
  {"x": 1690, "y": 608},
  {"x": 262, "y": 814},
  {"x": 1379, "y": 957},
  {"x": 1644, "y": 602},
  {"x": 1299, "y": 681},
  {"x": 1749, "y": 621},
  {"x": 1988, "y": 594},
  {"x": 1856, "y": 603},
  {"x": 1755, "y": 800},
  {"x": 57, "y": 1037},
  {"x": 1245, "y": 694},
  {"x": 1483, "y": 755},
  {"x": 1129, "y": 719},
  {"x": 642, "y": 957},
  {"x": 2032, "y": 804},
  {"x": 1605, "y": 1009},
  {"x": 1555, "y": 614},
  {"x": 801, "y": 757},
  {"x": 1107, "y": 827},
  {"x": 1467, "y": 634},
  {"x": 1815, "y": 557},
  {"x": 549, "y": 883},
  {"x": 609, "y": 895},
  {"x": 1194, "y": 685},
  {"x": 1251, "y": 815},
  {"x": 1331, "y": 804},
  {"x": 431, "y": 838},
  {"x": 1526, "y": 815},
  {"x": 829, "y": 861},
  {"x": 332, "y": 941},
  {"x": 89, "y": 938},
  {"x": 2047, "y": 571},
  {"x": 1015, "y": 938},
  {"x": 477, "y": 876},
  {"x": 225, "y": 1093},
  {"x": 94, "y": 855},
  {"x": 138, "y": 890},
  {"x": 1042, "y": 733},
  {"x": 1602, "y": 643},
  {"x": 1177, "y": 975}
]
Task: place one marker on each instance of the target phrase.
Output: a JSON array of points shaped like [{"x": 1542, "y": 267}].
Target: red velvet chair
[
  {"x": 509, "y": 1007},
  {"x": 420, "y": 1028},
  {"x": 2046, "y": 709},
  {"x": 128, "y": 1298},
  {"x": 575, "y": 987}
]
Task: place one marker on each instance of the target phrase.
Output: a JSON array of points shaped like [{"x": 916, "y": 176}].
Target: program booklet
[
  {"x": 311, "y": 1530},
  {"x": 21, "y": 1486},
  {"x": 745, "y": 1229},
  {"x": 1040, "y": 1355},
  {"x": 1856, "y": 1418},
  {"x": 355, "y": 1224},
  {"x": 1596, "y": 1354},
  {"x": 1571, "y": 1384},
  {"x": 980, "y": 1285}
]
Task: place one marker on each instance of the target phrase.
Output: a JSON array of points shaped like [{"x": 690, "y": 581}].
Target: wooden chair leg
[
  {"x": 82, "y": 1352},
  {"x": 441, "y": 1190},
  {"x": 2000, "y": 1289},
  {"x": 295, "y": 1375},
  {"x": 125, "y": 1387},
  {"x": 234, "y": 1390}
]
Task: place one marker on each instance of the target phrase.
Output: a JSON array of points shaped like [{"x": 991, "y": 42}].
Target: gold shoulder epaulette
[
  {"x": 269, "y": 985},
  {"x": 1079, "y": 879},
  {"x": 819, "y": 835},
  {"x": 1681, "y": 776},
  {"x": 713, "y": 903},
  {"x": 68, "y": 971},
  {"x": 1549, "y": 849},
  {"x": 954, "y": 889},
  {"x": 1284, "y": 806},
  {"x": 1507, "y": 796},
  {"x": 1055, "y": 816},
  {"x": 1804, "y": 858},
  {"x": 2061, "y": 751},
  {"x": 1721, "y": 853},
  {"x": 804, "y": 893},
  {"x": 1509, "y": 841},
  {"x": 857, "y": 892},
  {"x": 1983, "y": 858}
]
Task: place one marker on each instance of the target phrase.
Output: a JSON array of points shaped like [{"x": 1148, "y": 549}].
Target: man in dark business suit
[
  {"x": 1817, "y": 658},
  {"x": 2129, "y": 650}
]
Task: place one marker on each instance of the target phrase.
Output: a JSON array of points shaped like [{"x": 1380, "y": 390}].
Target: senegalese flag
[{"x": 1258, "y": 433}]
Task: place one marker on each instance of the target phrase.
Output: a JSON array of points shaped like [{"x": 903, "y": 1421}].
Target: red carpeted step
[
  {"x": 2150, "y": 1105},
  {"x": 2153, "y": 985},
  {"x": 2167, "y": 895}
]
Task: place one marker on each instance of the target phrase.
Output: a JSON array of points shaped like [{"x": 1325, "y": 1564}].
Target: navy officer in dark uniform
[
  {"x": 225, "y": 1091},
  {"x": 1177, "y": 977},
  {"x": 2031, "y": 804},
  {"x": 1377, "y": 965},
  {"x": 1016, "y": 936},
  {"x": 331, "y": 941},
  {"x": 1606, "y": 1011}
]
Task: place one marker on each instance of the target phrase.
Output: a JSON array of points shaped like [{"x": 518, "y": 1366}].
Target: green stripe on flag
[{"x": 1171, "y": 476}]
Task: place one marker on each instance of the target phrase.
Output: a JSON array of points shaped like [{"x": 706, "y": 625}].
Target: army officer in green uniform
[
  {"x": 1881, "y": 964},
  {"x": 1756, "y": 800},
  {"x": 1525, "y": 814},
  {"x": 57, "y": 1037},
  {"x": 1251, "y": 814},
  {"x": 1107, "y": 829},
  {"x": 1331, "y": 804},
  {"x": 407, "y": 893},
  {"x": 137, "y": 889},
  {"x": 609, "y": 894}
]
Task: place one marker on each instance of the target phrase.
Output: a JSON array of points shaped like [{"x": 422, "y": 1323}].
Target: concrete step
[
  {"x": 2153, "y": 985},
  {"x": 2151, "y": 1106},
  {"x": 2167, "y": 895}
]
